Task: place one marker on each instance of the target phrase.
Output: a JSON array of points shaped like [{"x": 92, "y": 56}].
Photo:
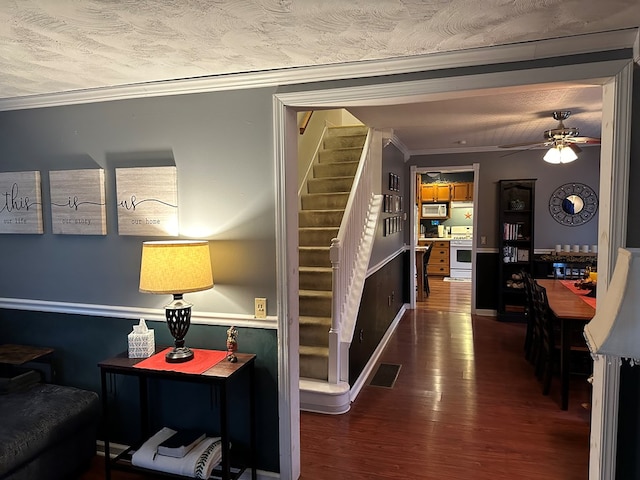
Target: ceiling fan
[{"x": 560, "y": 136}]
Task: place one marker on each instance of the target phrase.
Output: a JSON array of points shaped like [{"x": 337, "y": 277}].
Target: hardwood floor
[{"x": 465, "y": 405}]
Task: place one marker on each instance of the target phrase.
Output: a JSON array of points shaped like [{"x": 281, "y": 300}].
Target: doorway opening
[
  {"x": 616, "y": 80},
  {"x": 443, "y": 235}
]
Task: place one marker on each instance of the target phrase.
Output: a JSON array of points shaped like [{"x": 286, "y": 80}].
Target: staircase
[{"x": 321, "y": 212}]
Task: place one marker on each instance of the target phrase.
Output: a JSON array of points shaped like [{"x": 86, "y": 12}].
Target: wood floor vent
[{"x": 386, "y": 375}]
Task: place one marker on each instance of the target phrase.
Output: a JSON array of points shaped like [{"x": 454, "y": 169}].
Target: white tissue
[
  {"x": 141, "y": 327},
  {"x": 141, "y": 341}
]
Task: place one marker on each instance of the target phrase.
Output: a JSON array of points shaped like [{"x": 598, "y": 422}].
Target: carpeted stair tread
[
  {"x": 335, "y": 169},
  {"x": 314, "y": 362},
  {"x": 315, "y": 277},
  {"x": 314, "y": 351},
  {"x": 325, "y": 200},
  {"x": 316, "y": 236},
  {"x": 313, "y": 248},
  {"x": 320, "y": 218},
  {"x": 338, "y": 155},
  {"x": 314, "y": 331},
  {"x": 330, "y": 185},
  {"x": 344, "y": 141},
  {"x": 315, "y": 303},
  {"x": 316, "y": 269},
  {"x": 315, "y": 293},
  {"x": 305, "y": 320}
]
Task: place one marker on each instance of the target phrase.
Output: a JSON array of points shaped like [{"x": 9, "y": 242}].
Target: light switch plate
[{"x": 261, "y": 308}]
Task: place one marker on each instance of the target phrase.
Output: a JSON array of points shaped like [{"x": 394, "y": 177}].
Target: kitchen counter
[{"x": 434, "y": 239}]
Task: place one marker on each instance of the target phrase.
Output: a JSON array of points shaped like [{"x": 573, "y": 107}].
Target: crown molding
[
  {"x": 533, "y": 50},
  {"x": 401, "y": 146}
]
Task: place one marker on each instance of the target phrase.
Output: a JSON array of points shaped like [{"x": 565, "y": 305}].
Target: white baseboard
[{"x": 366, "y": 371}]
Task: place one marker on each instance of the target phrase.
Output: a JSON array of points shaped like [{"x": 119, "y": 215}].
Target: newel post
[{"x": 334, "y": 332}]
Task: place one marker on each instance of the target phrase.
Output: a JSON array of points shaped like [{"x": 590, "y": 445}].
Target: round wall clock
[{"x": 573, "y": 204}]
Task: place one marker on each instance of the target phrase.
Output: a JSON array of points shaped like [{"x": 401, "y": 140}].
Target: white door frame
[
  {"x": 413, "y": 228},
  {"x": 616, "y": 79}
]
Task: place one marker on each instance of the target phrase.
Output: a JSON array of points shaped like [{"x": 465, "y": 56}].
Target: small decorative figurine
[{"x": 232, "y": 344}]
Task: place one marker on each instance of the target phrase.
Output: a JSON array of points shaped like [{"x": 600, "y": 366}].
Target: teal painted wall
[{"x": 80, "y": 342}]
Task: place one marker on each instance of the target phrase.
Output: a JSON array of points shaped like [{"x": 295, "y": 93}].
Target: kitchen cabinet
[
  {"x": 516, "y": 200},
  {"x": 435, "y": 192},
  {"x": 439, "y": 259},
  {"x": 462, "y": 192}
]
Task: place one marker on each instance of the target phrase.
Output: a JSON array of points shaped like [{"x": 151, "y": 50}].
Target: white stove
[{"x": 460, "y": 259}]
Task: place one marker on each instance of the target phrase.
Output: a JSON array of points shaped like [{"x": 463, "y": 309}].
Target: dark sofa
[{"x": 47, "y": 432}]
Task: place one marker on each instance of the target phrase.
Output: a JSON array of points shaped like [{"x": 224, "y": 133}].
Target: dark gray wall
[
  {"x": 495, "y": 166},
  {"x": 392, "y": 162},
  {"x": 221, "y": 145}
]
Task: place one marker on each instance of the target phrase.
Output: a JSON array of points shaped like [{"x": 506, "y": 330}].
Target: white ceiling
[
  {"x": 49, "y": 46},
  {"x": 485, "y": 120}
]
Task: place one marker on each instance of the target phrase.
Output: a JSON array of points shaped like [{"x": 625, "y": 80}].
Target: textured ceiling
[
  {"x": 51, "y": 46},
  {"x": 60, "y": 45},
  {"x": 485, "y": 120}
]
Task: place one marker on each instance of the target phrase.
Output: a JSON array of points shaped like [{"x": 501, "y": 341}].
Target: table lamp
[
  {"x": 176, "y": 267},
  {"x": 615, "y": 328}
]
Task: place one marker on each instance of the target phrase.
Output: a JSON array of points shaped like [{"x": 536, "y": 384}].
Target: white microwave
[{"x": 434, "y": 210}]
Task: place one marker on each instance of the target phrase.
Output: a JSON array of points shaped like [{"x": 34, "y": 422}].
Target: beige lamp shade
[
  {"x": 615, "y": 329},
  {"x": 180, "y": 266}
]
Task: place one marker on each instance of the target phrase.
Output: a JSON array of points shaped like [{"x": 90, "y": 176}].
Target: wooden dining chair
[
  {"x": 546, "y": 360},
  {"x": 549, "y": 342},
  {"x": 425, "y": 262},
  {"x": 531, "y": 335}
]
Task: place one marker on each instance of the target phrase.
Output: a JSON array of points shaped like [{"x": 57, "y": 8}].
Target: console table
[{"x": 217, "y": 377}]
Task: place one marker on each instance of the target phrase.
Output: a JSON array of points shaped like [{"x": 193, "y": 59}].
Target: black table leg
[
  {"x": 105, "y": 425},
  {"x": 224, "y": 432}
]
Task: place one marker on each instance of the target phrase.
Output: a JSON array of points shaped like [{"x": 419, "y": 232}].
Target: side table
[
  {"x": 26, "y": 356},
  {"x": 217, "y": 377},
  {"x": 19, "y": 354}
]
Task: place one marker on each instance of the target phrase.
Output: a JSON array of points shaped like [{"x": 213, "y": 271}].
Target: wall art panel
[
  {"x": 78, "y": 202},
  {"x": 21, "y": 203},
  {"x": 147, "y": 201}
]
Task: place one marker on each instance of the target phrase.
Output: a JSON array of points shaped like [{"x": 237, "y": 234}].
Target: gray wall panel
[{"x": 221, "y": 146}]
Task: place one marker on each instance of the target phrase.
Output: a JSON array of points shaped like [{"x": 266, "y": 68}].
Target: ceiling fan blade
[
  {"x": 513, "y": 152},
  {"x": 587, "y": 140},
  {"x": 524, "y": 144},
  {"x": 574, "y": 147}
]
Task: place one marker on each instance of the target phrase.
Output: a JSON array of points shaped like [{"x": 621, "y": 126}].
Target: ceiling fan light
[
  {"x": 567, "y": 155},
  {"x": 552, "y": 156},
  {"x": 560, "y": 154}
]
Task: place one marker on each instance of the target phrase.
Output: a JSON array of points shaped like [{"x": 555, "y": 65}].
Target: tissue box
[{"x": 141, "y": 345}]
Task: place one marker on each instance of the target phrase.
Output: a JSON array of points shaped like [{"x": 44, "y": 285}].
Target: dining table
[{"x": 572, "y": 309}]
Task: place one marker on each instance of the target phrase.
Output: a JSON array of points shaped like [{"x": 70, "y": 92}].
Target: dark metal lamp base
[{"x": 179, "y": 355}]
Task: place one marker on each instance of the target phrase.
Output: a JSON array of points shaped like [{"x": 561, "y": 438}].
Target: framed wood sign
[
  {"x": 78, "y": 202},
  {"x": 147, "y": 201},
  {"x": 21, "y": 203}
]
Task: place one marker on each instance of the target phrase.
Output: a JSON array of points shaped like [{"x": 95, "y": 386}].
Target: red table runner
[
  {"x": 570, "y": 284},
  {"x": 202, "y": 361}
]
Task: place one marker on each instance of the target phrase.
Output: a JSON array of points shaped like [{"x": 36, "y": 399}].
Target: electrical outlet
[
  {"x": 261, "y": 308},
  {"x": 483, "y": 240}
]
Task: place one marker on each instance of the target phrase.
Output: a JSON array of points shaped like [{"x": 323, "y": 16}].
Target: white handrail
[
  {"x": 345, "y": 254},
  {"x": 314, "y": 161}
]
